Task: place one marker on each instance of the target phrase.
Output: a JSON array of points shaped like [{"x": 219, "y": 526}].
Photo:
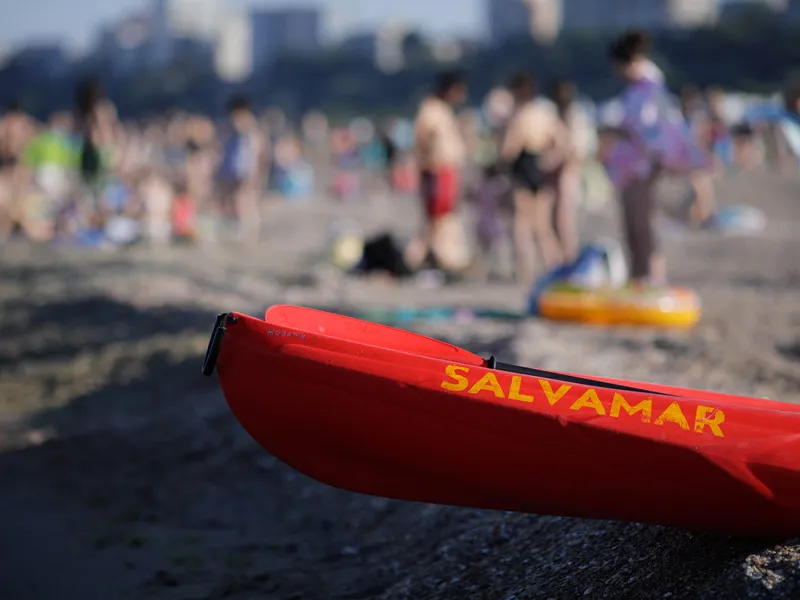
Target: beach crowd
[{"x": 526, "y": 158}]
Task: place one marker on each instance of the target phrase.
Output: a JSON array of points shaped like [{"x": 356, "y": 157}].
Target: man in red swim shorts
[
  {"x": 440, "y": 152},
  {"x": 440, "y": 190}
]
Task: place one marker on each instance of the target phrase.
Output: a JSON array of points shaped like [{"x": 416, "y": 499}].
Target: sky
[{"x": 75, "y": 21}]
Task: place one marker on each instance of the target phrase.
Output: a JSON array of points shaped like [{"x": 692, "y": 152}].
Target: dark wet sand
[{"x": 125, "y": 475}]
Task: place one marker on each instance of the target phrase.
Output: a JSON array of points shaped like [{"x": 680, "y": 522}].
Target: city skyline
[{"x": 75, "y": 23}]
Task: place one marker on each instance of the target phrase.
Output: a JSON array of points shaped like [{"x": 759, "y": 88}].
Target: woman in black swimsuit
[{"x": 533, "y": 147}]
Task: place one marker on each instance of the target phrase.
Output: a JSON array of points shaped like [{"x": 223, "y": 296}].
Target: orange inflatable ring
[{"x": 672, "y": 307}]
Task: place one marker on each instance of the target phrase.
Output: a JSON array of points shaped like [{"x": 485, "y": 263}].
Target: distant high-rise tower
[
  {"x": 171, "y": 20},
  {"x": 691, "y": 13},
  {"x": 190, "y": 18},
  {"x": 544, "y": 20},
  {"x": 290, "y": 30},
  {"x": 233, "y": 57},
  {"x": 540, "y": 19},
  {"x": 507, "y": 19},
  {"x": 793, "y": 12}
]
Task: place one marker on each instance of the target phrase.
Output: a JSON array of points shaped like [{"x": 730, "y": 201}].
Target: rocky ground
[{"x": 125, "y": 475}]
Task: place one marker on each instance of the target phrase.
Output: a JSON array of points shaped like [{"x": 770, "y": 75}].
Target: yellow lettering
[
  {"x": 553, "y": 397},
  {"x": 673, "y": 414},
  {"x": 514, "y": 393},
  {"x": 461, "y": 382},
  {"x": 645, "y": 407},
  {"x": 705, "y": 416},
  {"x": 488, "y": 382},
  {"x": 711, "y": 417},
  {"x": 589, "y": 399}
]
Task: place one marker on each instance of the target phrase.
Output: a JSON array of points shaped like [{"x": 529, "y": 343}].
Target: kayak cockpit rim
[{"x": 494, "y": 364}]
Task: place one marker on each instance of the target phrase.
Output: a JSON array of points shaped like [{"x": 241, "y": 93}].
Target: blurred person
[
  {"x": 780, "y": 131},
  {"x": 791, "y": 100},
  {"x": 275, "y": 121},
  {"x": 316, "y": 132},
  {"x": 789, "y": 126},
  {"x": 184, "y": 215},
  {"x": 535, "y": 145},
  {"x": 266, "y": 162},
  {"x": 391, "y": 153},
  {"x": 715, "y": 136},
  {"x": 568, "y": 176},
  {"x": 175, "y": 148},
  {"x": 371, "y": 160},
  {"x": 702, "y": 204},
  {"x": 52, "y": 156},
  {"x": 156, "y": 195},
  {"x": 16, "y": 131},
  {"x": 134, "y": 151},
  {"x": 441, "y": 153},
  {"x": 294, "y": 176},
  {"x": 745, "y": 147},
  {"x": 469, "y": 122},
  {"x": 702, "y": 127},
  {"x": 692, "y": 105},
  {"x": 98, "y": 131},
  {"x": 490, "y": 226},
  {"x": 651, "y": 139},
  {"x": 345, "y": 182},
  {"x": 153, "y": 142},
  {"x": 200, "y": 156},
  {"x": 717, "y": 131},
  {"x": 239, "y": 174}
]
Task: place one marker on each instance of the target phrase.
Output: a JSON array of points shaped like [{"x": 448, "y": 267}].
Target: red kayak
[{"x": 382, "y": 411}]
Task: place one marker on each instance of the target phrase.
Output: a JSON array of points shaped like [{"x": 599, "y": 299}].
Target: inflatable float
[
  {"x": 381, "y": 411},
  {"x": 600, "y": 264},
  {"x": 672, "y": 307},
  {"x": 592, "y": 290}
]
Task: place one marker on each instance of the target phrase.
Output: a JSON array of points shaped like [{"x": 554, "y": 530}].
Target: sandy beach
[{"x": 126, "y": 476}]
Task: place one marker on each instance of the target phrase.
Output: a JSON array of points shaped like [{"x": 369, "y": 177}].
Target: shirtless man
[
  {"x": 441, "y": 154},
  {"x": 240, "y": 172},
  {"x": 16, "y": 131},
  {"x": 535, "y": 144}
]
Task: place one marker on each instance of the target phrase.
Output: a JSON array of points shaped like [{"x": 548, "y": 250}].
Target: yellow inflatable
[{"x": 672, "y": 307}]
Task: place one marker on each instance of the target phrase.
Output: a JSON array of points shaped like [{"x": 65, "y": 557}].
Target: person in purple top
[{"x": 651, "y": 139}]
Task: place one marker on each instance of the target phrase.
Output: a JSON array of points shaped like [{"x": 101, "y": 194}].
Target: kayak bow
[{"x": 381, "y": 411}]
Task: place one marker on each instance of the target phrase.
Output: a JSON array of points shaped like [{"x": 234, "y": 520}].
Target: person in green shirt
[{"x": 53, "y": 157}]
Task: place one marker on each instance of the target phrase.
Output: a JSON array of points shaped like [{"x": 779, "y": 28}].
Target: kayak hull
[{"x": 419, "y": 420}]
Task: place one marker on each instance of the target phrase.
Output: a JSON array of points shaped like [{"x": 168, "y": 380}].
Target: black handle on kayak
[
  {"x": 215, "y": 343},
  {"x": 493, "y": 363}
]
